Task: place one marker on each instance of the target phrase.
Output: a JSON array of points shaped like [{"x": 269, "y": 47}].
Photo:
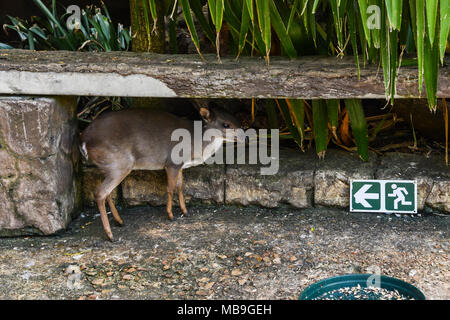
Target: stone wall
[
  {"x": 38, "y": 162},
  {"x": 303, "y": 181},
  {"x": 40, "y": 189}
]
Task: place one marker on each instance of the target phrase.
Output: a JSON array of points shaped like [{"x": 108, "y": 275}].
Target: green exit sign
[{"x": 398, "y": 196}]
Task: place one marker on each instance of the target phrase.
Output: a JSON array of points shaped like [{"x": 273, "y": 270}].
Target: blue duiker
[{"x": 140, "y": 139}]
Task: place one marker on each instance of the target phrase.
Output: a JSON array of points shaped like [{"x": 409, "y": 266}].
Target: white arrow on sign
[{"x": 361, "y": 196}]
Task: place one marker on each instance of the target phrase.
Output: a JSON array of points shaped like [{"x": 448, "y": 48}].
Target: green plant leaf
[
  {"x": 359, "y": 127},
  {"x": 38, "y": 31},
  {"x": 353, "y": 30},
  {"x": 146, "y": 17},
  {"x": 431, "y": 6},
  {"x": 190, "y": 24},
  {"x": 338, "y": 8},
  {"x": 297, "y": 112},
  {"x": 245, "y": 25},
  {"x": 173, "y": 44},
  {"x": 263, "y": 9},
  {"x": 54, "y": 19},
  {"x": 376, "y": 32},
  {"x": 290, "y": 122},
  {"x": 5, "y": 46},
  {"x": 312, "y": 24},
  {"x": 420, "y": 39},
  {"x": 280, "y": 29},
  {"x": 405, "y": 30},
  {"x": 394, "y": 11},
  {"x": 333, "y": 113},
  {"x": 216, "y": 11},
  {"x": 271, "y": 114},
  {"x": 152, "y": 6},
  {"x": 249, "y": 6},
  {"x": 30, "y": 40},
  {"x": 444, "y": 28},
  {"x": 196, "y": 7},
  {"x": 363, "y": 4},
  {"x": 316, "y": 2},
  {"x": 292, "y": 14},
  {"x": 431, "y": 71}
]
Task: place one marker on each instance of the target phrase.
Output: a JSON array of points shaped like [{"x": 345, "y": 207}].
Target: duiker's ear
[{"x": 205, "y": 113}]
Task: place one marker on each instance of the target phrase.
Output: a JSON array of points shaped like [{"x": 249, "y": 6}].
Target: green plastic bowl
[{"x": 318, "y": 289}]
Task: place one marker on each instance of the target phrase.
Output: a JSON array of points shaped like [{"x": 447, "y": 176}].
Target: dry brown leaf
[{"x": 236, "y": 272}]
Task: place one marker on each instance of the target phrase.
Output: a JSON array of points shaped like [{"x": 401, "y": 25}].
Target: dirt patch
[{"x": 221, "y": 252}]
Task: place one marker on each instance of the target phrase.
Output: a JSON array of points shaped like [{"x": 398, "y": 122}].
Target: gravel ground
[{"x": 221, "y": 252}]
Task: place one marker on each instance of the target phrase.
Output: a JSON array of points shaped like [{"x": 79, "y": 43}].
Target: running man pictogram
[{"x": 399, "y": 193}]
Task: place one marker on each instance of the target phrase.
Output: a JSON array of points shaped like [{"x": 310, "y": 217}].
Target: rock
[
  {"x": 439, "y": 196},
  {"x": 38, "y": 157},
  {"x": 145, "y": 187},
  {"x": 333, "y": 175},
  {"x": 33, "y": 127},
  {"x": 292, "y": 184},
  {"x": 8, "y": 219},
  {"x": 204, "y": 183},
  {"x": 7, "y": 164},
  {"x": 425, "y": 170},
  {"x": 302, "y": 181},
  {"x": 201, "y": 184}
]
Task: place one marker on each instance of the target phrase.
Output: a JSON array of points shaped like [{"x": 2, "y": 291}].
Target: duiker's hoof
[
  {"x": 120, "y": 224},
  {"x": 113, "y": 240}
]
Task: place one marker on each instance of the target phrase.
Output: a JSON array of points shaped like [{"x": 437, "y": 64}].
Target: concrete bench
[
  {"x": 155, "y": 75},
  {"x": 39, "y": 182}
]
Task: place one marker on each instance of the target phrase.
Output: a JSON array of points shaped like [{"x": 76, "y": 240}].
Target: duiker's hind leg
[{"x": 111, "y": 181}]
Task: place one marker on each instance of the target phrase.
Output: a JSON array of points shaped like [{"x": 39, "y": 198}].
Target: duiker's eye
[{"x": 226, "y": 125}]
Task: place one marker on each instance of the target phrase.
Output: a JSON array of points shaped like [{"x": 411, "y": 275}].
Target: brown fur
[{"x": 119, "y": 142}]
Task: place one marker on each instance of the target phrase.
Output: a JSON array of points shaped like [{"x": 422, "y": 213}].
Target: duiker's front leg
[
  {"x": 172, "y": 177},
  {"x": 180, "y": 192}
]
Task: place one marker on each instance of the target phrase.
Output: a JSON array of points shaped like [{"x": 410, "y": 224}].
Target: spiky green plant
[
  {"x": 375, "y": 31},
  {"x": 96, "y": 31}
]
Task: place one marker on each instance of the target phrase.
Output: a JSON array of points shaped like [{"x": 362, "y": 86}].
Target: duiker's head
[{"x": 220, "y": 119}]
